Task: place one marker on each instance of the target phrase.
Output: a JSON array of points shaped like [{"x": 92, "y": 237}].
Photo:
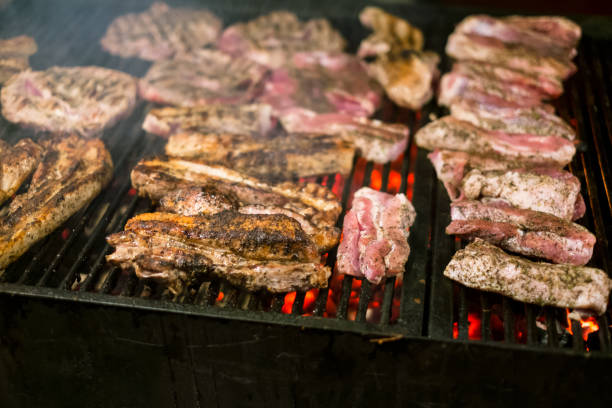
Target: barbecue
[{"x": 221, "y": 341}]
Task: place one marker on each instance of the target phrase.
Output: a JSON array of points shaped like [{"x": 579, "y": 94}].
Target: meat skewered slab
[{"x": 483, "y": 266}]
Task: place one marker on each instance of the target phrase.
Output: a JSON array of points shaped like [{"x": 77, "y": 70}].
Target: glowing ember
[
  {"x": 288, "y": 304},
  {"x": 65, "y": 234},
  {"x": 376, "y": 180},
  {"x": 219, "y": 297},
  {"x": 588, "y": 325}
]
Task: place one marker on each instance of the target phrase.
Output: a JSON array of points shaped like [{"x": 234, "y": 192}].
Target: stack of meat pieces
[
  {"x": 298, "y": 69},
  {"x": 500, "y": 155}
]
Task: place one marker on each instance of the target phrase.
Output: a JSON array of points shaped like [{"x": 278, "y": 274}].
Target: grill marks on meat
[
  {"x": 161, "y": 32},
  {"x": 255, "y": 252},
  {"x": 375, "y": 235},
  {"x": 72, "y": 172},
  {"x": 254, "y": 119},
  {"x": 526, "y": 232},
  {"x": 401, "y": 67},
  {"x": 17, "y": 163},
  {"x": 452, "y": 134},
  {"x": 204, "y": 200},
  {"x": 14, "y": 53},
  {"x": 314, "y": 203},
  {"x": 276, "y": 158},
  {"x": 485, "y": 267},
  {"x": 82, "y": 100},
  {"x": 545, "y": 191},
  {"x": 200, "y": 78},
  {"x": 272, "y": 39}
]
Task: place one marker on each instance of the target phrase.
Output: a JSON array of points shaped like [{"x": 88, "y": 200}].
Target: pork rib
[
  {"x": 526, "y": 232},
  {"x": 483, "y": 266}
]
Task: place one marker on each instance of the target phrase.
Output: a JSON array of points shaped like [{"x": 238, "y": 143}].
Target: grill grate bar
[
  {"x": 463, "y": 323},
  {"x": 485, "y": 317},
  {"x": 551, "y": 327},
  {"x": 577, "y": 341},
  {"x": 508, "y": 320},
  {"x": 531, "y": 324},
  {"x": 343, "y": 304}
]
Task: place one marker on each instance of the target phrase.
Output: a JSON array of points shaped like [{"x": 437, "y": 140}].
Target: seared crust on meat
[
  {"x": 14, "y": 53},
  {"x": 16, "y": 164},
  {"x": 72, "y": 172}
]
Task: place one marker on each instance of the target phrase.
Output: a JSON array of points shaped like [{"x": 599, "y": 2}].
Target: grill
[{"x": 69, "y": 264}]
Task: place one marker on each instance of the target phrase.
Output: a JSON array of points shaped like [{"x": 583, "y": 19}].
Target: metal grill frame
[{"x": 48, "y": 269}]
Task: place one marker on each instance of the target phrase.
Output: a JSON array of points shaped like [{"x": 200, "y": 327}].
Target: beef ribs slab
[
  {"x": 161, "y": 32},
  {"x": 483, "y": 266}
]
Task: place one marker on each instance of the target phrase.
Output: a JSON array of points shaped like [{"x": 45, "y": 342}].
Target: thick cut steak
[
  {"x": 201, "y": 78},
  {"x": 82, "y": 100},
  {"x": 375, "y": 235},
  {"x": 17, "y": 163},
  {"x": 14, "y": 53},
  {"x": 483, "y": 266},
  {"x": 526, "y": 232},
  {"x": 161, "y": 32},
  {"x": 273, "y": 38}
]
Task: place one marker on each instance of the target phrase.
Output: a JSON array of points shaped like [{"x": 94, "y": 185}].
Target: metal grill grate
[{"x": 69, "y": 264}]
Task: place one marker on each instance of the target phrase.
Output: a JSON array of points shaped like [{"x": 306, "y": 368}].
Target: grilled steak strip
[
  {"x": 554, "y": 193},
  {"x": 279, "y": 158},
  {"x": 14, "y": 53},
  {"x": 17, "y": 163},
  {"x": 255, "y": 120},
  {"x": 161, "y": 32},
  {"x": 273, "y": 38},
  {"x": 82, "y": 100},
  {"x": 155, "y": 178},
  {"x": 201, "y": 78},
  {"x": 483, "y": 266},
  {"x": 452, "y": 134},
  {"x": 191, "y": 201},
  {"x": 255, "y": 252},
  {"x": 71, "y": 173},
  {"x": 526, "y": 232}
]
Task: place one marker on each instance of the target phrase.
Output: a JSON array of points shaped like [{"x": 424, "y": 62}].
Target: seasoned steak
[
  {"x": 17, "y": 163},
  {"x": 483, "y": 266},
  {"x": 252, "y": 251},
  {"x": 72, "y": 172},
  {"x": 525, "y": 232},
  {"x": 14, "y": 53},
  {"x": 82, "y": 100},
  {"x": 375, "y": 235},
  {"x": 203, "y": 77},
  {"x": 272, "y": 39},
  {"x": 391, "y": 34},
  {"x": 452, "y": 134},
  {"x": 161, "y": 32}
]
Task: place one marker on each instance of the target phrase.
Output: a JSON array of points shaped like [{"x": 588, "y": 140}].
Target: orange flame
[{"x": 588, "y": 325}]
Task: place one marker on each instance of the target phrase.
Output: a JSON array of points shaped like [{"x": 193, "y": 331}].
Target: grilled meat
[
  {"x": 485, "y": 267},
  {"x": 255, "y": 120},
  {"x": 71, "y": 173},
  {"x": 253, "y": 251},
  {"x": 375, "y": 235},
  {"x": 277, "y": 158},
  {"x": 82, "y": 100},
  {"x": 551, "y": 191},
  {"x": 535, "y": 120},
  {"x": 549, "y": 36},
  {"x": 468, "y": 46},
  {"x": 489, "y": 84},
  {"x": 17, "y": 163},
  {"x": 391, "y": 34},
  {"x": 407, "y": 80},
  {"x": 526, "y": 232},
  {"x": 201, "y": 78},
  {"x": 161, "y": 32},
  {"x": 452, "y": 134},
  {"x": 377, "y": 141},
  {"x": 314, "y": 203},
  {"x": 14, "y": 53},
  {"x": 401, "y": 67},
  {"x": 202, "y": 200},
  {"x": 273, "y": 38}
]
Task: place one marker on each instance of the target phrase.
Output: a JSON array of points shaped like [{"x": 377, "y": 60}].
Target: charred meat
[
  {"x": 255, "y": 252},
  {"x": 272, "y": 39},
  {"x": 161, "y": 32},
  {"x": 485, "y": 267},
  {"x": 72, "y": 172},
  {"x": 17, "y": 163},
  {"x": 525, "y": 232},
  {"x": 82, "y": 100},
  {"x": 375, "y": 235},
  {"x": 14, "y": 53},
  {"x": 200, "y": 78}
]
